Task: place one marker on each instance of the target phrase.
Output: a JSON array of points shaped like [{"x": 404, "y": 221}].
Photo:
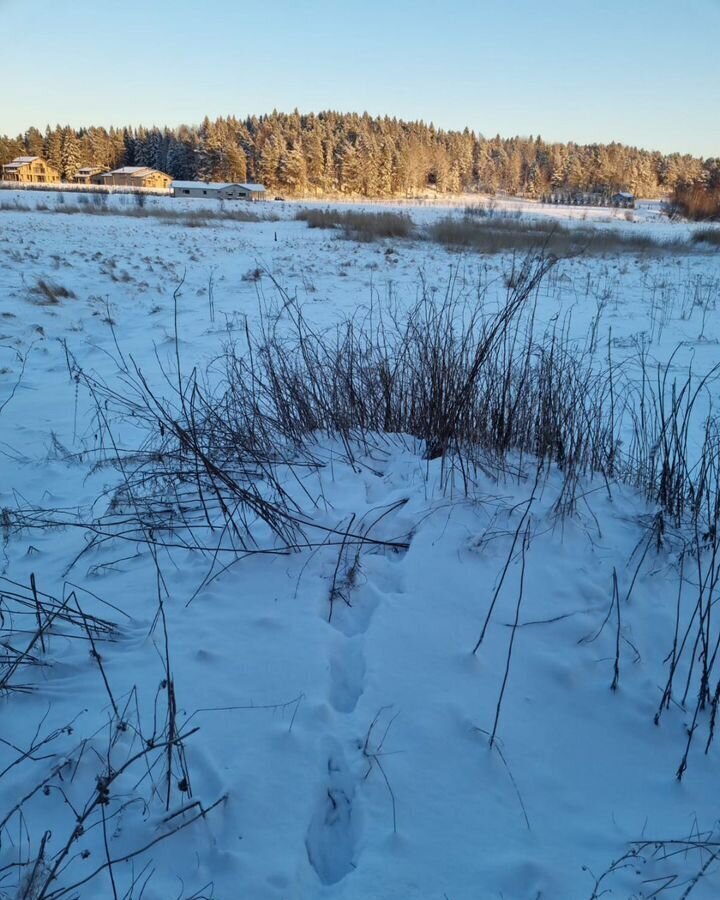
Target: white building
[{"x": 217, "y": 190}]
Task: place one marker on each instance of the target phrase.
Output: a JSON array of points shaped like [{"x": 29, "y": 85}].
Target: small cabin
[
  {"x": 30, "y": 170},
  {"x": 623, "y": 198},
  {"x": 134, "y": 177}
]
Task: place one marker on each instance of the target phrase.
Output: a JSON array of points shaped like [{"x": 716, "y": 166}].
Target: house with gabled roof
[
  {"x": 254, "y": 191},
  {"x": 134, "y": 176},
  {"x": 30, "y": 170},
  {"x": 88, "y": 173}
]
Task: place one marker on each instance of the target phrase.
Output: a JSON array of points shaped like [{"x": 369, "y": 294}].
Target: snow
[
  {"x": 129, "y": 170},
  {"x": 349, "y": 746}
]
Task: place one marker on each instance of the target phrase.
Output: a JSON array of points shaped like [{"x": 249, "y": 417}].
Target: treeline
[{"x": 331, "y": 153}]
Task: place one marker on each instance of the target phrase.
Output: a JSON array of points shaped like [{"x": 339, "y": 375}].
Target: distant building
[
  {"x": 218, "y": 190},
  {"x": 598, "y": 196},
  {"x": 87, "y": 174},
  {"x": 199, "y": 189},
  {"x": 253, "y": 191},
  {"x": 30, "y": 170},
  {"x": 134, "y": 177}
]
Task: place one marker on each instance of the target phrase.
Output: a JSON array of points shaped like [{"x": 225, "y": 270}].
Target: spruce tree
[
  {"x": 292, "y": 171},
  {"x": 69, "y": 154}
]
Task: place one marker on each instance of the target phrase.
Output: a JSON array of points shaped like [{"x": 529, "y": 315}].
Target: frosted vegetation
[
  {"x": 357, "y": 554},
  {"x": 345, "y": 154}
]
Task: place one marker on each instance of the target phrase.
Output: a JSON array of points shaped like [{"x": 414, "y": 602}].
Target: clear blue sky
[{"x": 644, "y": 72}]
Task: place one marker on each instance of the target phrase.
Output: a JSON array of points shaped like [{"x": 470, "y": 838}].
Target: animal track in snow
[
  {"x": 334, "y": 828},
  {"x": 352, "y": 615},
  {"x": 347, "y": 675}
]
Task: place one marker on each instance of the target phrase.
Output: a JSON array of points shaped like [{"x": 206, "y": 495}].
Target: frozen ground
[{"x": 347, "y": 742}]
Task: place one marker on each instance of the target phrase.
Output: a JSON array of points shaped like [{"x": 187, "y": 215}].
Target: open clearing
[{"x": 349, "y": 742}]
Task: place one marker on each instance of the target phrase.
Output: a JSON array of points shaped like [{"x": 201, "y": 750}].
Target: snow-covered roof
[
  {"x": 624, "y": 194},
  {"x": 217, "y": 186},
  {"x": 130, "y": 170},
  {"x": 205, "y": 185},
  {"x": 20, "y": 161}
]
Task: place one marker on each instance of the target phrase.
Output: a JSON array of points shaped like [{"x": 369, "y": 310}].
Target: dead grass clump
[
  {"x": 359, "y": 226},
  {"x": 487, "y": 230},
  {"x": 49, "y": 293},
  {"x": 495, "y": 234},
  {"x": 191, "y": 219},
  {"x": 490, "y": 211},
  {"x": 467, "y": 381},
  {"x": 696, "y": 202},
  {"x": 200, "y": 218},
  {"x": 471, "y": 384},
  {"x": 123, "y": 771},
  {"x": 319, "y": 218},
  {"x": 707, "y": 236}
]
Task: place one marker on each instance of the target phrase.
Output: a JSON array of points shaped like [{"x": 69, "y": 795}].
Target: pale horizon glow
[{"x": 642, "y": 73}]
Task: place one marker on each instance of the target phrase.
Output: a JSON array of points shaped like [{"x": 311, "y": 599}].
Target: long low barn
[{"x": 218, "y": 190}]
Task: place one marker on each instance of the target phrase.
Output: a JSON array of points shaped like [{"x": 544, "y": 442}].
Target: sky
[{"x": 643, "y": 72}]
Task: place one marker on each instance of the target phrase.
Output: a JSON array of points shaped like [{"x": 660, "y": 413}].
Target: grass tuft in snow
[
  {"x": 490, "y": 231},
  {"x": 192, "y": 219},
  {"x": 472, "y": 384},
  {"x": 359, "y": 226},
  {"x": 48, "y": 293},
  {"x": 486, "y": 233},
  {"x": 77, "y": 785},
  {"x": 707, "y": 236}
]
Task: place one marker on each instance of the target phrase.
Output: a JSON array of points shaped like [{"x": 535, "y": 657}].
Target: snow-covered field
[{"x": 344, "y": 723}]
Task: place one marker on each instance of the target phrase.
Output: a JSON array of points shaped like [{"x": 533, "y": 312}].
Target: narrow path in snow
[{"x": 336, "y": 825}]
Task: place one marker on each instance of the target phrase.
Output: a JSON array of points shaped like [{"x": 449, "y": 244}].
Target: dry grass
[
  {"x": 499, "y": 234},
  {"x": 486, "y": 230},
  {"x": 469, "y": 384},
  {"x": 193, "y": 219},
  {"x": 123, "y": 772},
  {"x": 707, "y": 236},
  {"x": 359, "y": 226},
  {"x": 696, "y": 203},
  {"x": 48, "y": 293}
]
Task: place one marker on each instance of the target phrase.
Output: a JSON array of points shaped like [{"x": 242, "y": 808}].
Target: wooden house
[
  {"x": 134, "y": 177},
  {"x": 30, "y": 170},
  {"x": 87, "y": 174}
]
